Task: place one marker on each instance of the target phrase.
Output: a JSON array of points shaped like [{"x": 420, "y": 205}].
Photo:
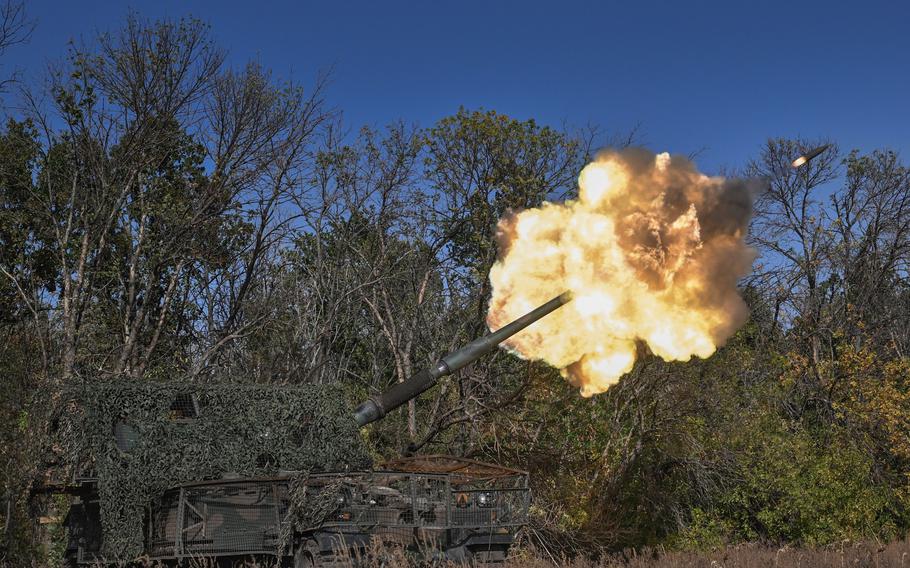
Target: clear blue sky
[{"x": 718, "y": 76}]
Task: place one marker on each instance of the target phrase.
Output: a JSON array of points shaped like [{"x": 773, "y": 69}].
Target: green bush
[{"x": 796, "y": 485}]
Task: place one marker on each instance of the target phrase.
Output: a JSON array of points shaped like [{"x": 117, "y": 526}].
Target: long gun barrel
[{"x": 378, "y": 406}]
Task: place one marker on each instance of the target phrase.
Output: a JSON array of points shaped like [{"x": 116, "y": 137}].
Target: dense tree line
[{"x": 164, "y": 215}]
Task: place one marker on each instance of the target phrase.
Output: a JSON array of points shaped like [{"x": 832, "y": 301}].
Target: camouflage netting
[
  {"x": 307, "y": 510},
  {"x": 174, "y": 433}
]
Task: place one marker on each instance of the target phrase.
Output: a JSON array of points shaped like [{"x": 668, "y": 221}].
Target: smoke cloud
[{"x": 652, "y": 251}]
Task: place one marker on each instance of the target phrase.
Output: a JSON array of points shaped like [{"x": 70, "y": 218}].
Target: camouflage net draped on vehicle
[
  {"x": 142, "y": 438},
  {"x": 307, "y": 510}
]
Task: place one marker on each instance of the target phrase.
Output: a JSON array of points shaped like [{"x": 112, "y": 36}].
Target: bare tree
[
  {"x": 419, "y": 242},
  {"x": 791, "y": 230},
  {"x": 870, "y": 220},
  {"x": 163, "y": 195},
  {"x": 834, "y": 257},
  {"x": 15, "y": 29}
]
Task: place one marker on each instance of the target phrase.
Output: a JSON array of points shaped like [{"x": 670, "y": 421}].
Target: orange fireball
[{"x": 652, "y": 251}]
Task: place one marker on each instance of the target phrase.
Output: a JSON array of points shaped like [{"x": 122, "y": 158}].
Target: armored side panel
[{"x": 461, "y": 508}]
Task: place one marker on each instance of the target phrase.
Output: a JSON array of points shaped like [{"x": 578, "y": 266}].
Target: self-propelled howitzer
[
  {"x": 252, "y": 480},
  {"x": 378, "y": 406}
]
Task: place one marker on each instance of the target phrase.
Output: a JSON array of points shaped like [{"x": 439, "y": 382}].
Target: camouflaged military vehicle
[{"x": 177, "y": 470}]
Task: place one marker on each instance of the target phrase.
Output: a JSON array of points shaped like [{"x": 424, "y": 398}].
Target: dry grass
[
  {"x": 895, "y": 554},
  {"x": 846, "y": 555}
]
